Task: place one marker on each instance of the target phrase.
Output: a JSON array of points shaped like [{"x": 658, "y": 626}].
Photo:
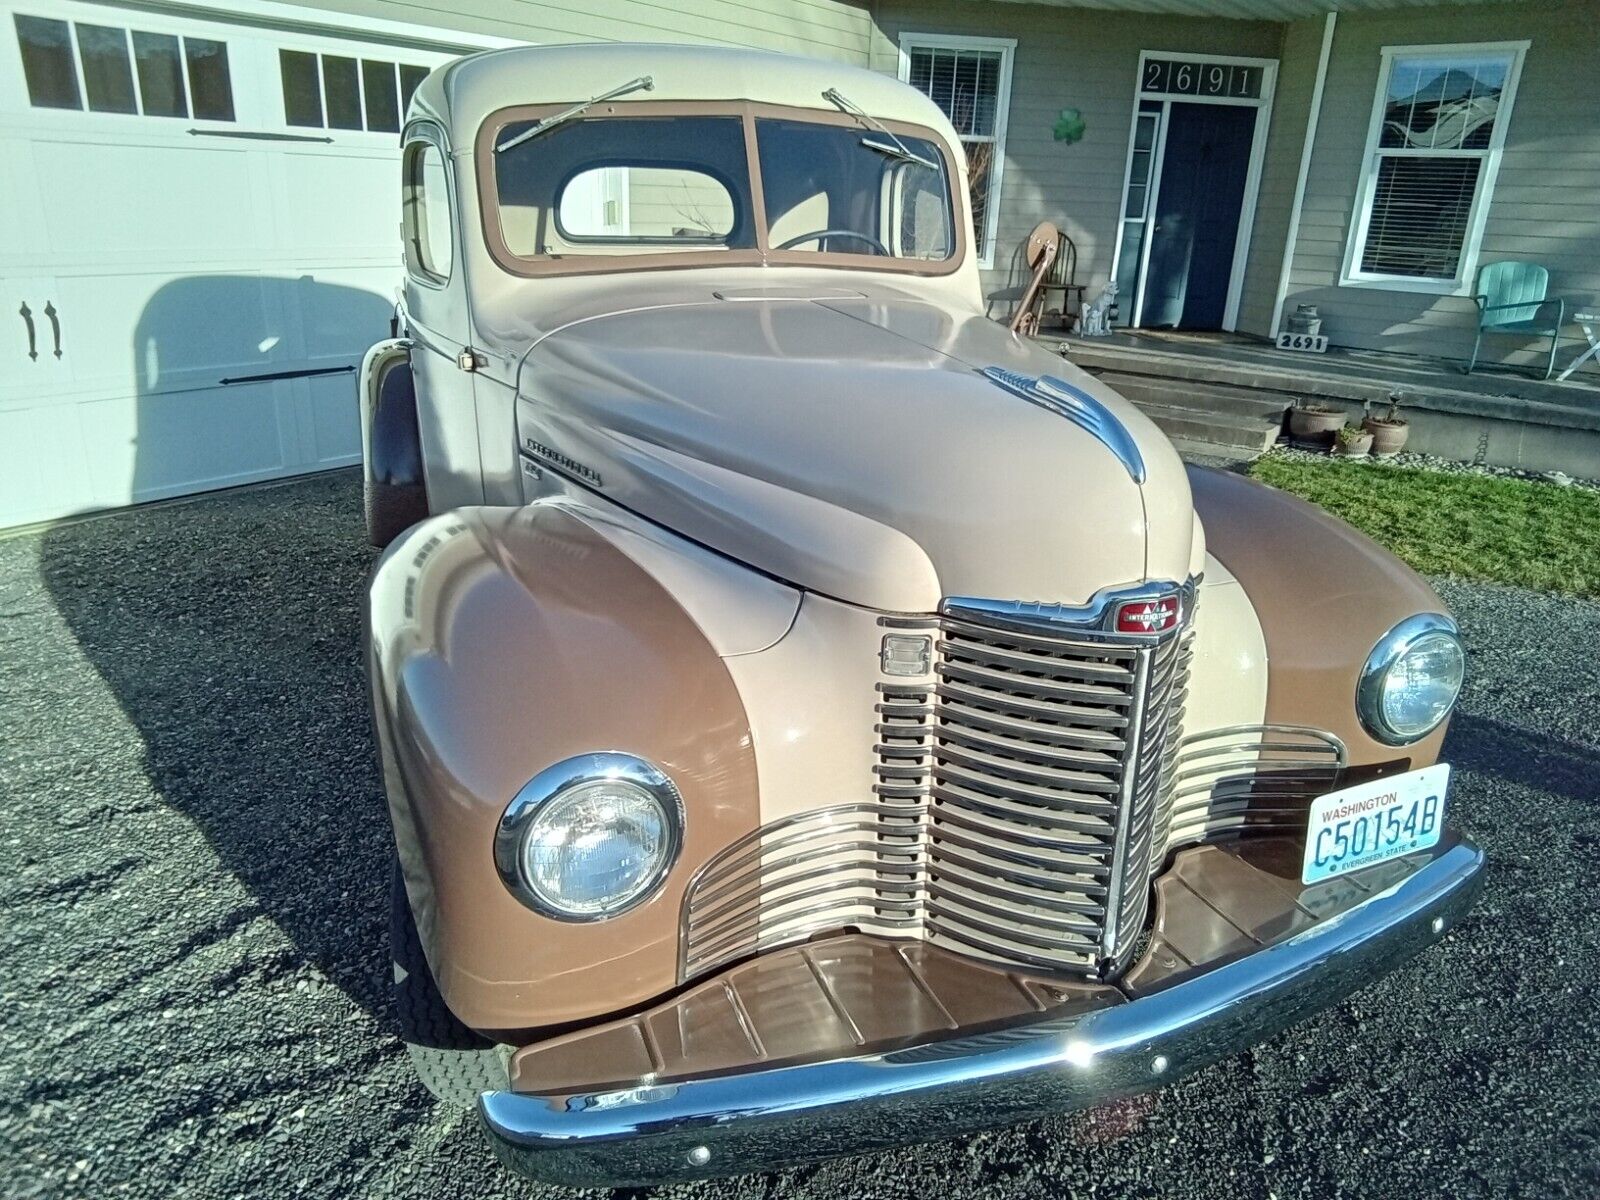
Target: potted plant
[
  {"x": 1315, "y": 424},
  {"x": 1388, "y": 432},
  {"x": 1352, "y": 442}
]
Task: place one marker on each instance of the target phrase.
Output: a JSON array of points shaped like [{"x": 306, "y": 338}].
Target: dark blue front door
[{"x": 1203, "y": 172}]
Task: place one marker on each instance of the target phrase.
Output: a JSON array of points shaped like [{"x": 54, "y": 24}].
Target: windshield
[
  {"x": 683, "y": 185},
  {"x": 833, "y": 188}
]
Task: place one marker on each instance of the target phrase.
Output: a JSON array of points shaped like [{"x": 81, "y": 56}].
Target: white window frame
[
  {"x": 1351, "y": 274},
  {"x": 1008, "y": 50}
]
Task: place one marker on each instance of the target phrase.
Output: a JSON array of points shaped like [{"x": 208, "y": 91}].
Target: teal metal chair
[{"x": 1511, "y": 299}]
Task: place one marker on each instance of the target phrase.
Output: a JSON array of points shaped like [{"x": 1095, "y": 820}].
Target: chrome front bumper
[{"x": 756, "y": 1120}]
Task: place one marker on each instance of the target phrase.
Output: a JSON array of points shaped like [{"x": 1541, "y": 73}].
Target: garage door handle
[
  {"x": 55, "y": 325},
  {"x": 27, "y": 319}
]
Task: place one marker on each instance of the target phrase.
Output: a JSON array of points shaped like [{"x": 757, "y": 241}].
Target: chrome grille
[
  {"x": 1046, "y": 788},
  {"x": 1256, "y": 777},
  {"x": 1022, "y": 798}
]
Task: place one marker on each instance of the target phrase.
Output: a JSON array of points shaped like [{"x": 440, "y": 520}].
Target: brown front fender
[
  {"x": 502, "y": 641},
  {"x": 1324, "y": 594}
]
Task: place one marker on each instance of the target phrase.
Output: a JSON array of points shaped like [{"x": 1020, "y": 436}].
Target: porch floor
[
  {"x": 1384, "y": 370},
  {"x": 1227, "y": 395}
]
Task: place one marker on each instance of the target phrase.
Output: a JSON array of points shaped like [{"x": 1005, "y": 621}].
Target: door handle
[
  {"x": 55, "y": 325},
  {"x": 27, "y": 319}
]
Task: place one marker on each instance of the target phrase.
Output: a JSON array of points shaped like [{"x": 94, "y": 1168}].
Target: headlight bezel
[
  {"x": 1390, "y": 649},
  {"x": 535, "y": 797}
]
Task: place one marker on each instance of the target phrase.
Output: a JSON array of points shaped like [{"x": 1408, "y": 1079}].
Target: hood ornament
[{"x": 1077, "y": 406}]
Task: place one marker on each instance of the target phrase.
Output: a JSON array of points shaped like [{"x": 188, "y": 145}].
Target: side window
[{"x": 427, "y": 212}]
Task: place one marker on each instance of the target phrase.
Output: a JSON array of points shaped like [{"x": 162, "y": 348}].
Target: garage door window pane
[
  {"x": 344, "y": 93},
  {"x": 209, "y": 84},
  {"x": 107, "y": 73},
  {"x": 410, "y": 77},
  {"x": 160, "y": 75},
  {"x": 302, "y": 93},
  {"x": 47, "y": 63},
  {"x": 383, "y": 106}
]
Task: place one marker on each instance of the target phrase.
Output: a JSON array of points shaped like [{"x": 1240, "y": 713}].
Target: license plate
[{"x": 1371, "y": 822}]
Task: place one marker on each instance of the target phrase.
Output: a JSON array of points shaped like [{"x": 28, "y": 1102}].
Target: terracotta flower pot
[
  {"x": 1387, "y": 436},
  {"x": 1315, "y": 425},
  {"x": 1356, "y": 443}
]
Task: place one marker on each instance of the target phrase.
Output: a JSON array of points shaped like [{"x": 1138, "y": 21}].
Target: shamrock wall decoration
[{"x": 1069, "y": 126}]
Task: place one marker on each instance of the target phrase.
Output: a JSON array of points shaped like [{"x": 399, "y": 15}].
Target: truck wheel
[
  {"x": 394, "y": 495},
  {"x": 453, "y": 1062},
  {"x": 391, "y": 509}
]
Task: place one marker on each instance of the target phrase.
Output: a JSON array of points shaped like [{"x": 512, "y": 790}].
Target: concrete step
[
  {"x": 1204, "y": 397},
  {"x": 1233, "y": 421},
  {"x": 1209, "y": 454},
  {"x": 1247, "y": 435}
]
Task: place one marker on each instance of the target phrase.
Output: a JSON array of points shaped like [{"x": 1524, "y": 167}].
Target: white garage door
[{"x": 200, "y": 242}]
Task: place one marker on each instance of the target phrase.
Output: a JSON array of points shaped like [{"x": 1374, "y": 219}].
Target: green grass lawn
[{"x": 1537, "y": 535}]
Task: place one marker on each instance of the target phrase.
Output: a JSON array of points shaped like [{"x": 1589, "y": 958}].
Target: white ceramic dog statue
[{"x": 1097, "y": 317}]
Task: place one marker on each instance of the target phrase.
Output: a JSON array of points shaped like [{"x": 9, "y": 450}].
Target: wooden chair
[
  {"x": 1511, "y": 299},
  {"x": 1063, "y": 278}
]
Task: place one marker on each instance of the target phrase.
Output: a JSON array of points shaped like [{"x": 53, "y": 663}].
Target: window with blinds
[
  {"x": 1436, "y": 135},
  {"x": 970, "y": 80}
]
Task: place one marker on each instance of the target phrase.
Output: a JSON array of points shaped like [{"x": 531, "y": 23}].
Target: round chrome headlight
[
  {"x": 1411, "y": 679},
  {"x": 590, "y": 837}
]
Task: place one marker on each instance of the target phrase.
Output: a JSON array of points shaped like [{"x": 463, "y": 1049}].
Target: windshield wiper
[
  {"x": 644, "y": 83},
  {"x": 899, "y": 150}
]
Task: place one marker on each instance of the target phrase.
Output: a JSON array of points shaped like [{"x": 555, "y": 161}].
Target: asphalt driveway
[{"x": 193, "y": 995}]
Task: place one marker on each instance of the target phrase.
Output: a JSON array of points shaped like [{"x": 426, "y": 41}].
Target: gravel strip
[
  {"x": 1429, "y": 462},
  {"x": 192, "y": 901}
]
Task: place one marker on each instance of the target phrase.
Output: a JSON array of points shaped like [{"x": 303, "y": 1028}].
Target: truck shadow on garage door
[{"x": 229, "y": 630}]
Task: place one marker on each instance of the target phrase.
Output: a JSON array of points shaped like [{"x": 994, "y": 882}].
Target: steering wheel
[{"x": 821, "y": 235}]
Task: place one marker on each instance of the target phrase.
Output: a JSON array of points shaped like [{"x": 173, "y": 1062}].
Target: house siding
[
  {"x": 1297, "y": 73},
  {"x": 1546, "y": 202},
  {"x": 1069, "y": 58},
  {"x": 830, "y": 29},
  {"x": 1543, "y": 207}
]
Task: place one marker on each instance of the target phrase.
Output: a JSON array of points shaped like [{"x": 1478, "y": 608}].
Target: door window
[
  {"x": 427, "y": 213},
  {"x": 176, "y": 76}
]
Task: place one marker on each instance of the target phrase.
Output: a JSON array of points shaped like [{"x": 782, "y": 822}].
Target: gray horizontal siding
[
  {"x": 832, "y": 29},
  {"x": 1546, "y": 202},
  {"x": 1297, "y": 70},
  {"x": 1067, "y": 58}
]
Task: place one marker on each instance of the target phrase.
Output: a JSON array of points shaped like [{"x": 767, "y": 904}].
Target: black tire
[
  {"x": 391, "y": 509},
  {"x": 453, "y": 1062},
  {"x": 395, "y": 496}
]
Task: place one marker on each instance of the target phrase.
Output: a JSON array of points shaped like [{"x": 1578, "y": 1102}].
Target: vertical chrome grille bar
[{"x": 1126, "y": 807}]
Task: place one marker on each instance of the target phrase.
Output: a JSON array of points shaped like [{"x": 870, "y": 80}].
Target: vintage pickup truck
[{"x": 813, "y": 717}]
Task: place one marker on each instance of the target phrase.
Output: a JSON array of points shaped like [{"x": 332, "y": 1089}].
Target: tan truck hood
[{"x": 853, "y": 447}]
